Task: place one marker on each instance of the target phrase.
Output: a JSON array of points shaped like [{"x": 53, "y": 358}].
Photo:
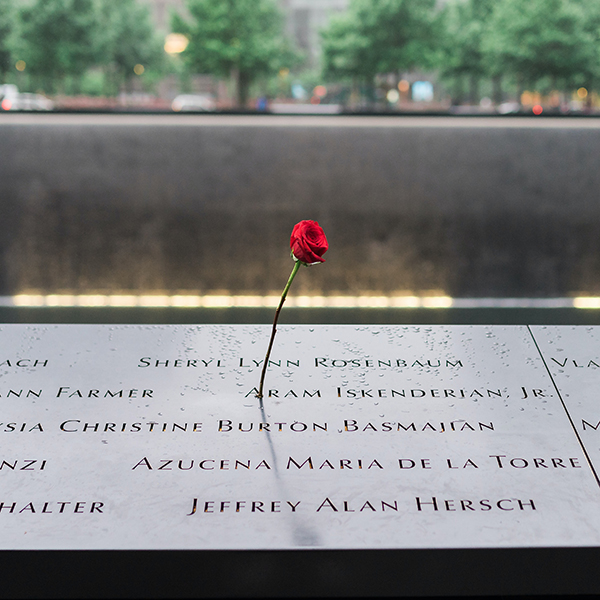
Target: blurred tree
[
  {"x": 126, "y": 39},
  {"x": 462, "y": 55},
  {"x": 540, "y": 39},
  {"x": 56, "y": 39},
  {"x": 386, "y": 36},
  {"x": 590, "y": 76},
  {"x": 343, "y": 47},
  {"x": 6, "y": 28},
  {"x": 242, "y": 39}
]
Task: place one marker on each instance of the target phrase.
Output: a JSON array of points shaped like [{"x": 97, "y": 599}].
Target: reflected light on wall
[
  {"x": 154, "y": 301},
  {"x": 436, "y": 302},
  {"x": 586, "y": 302},
  {"x": 92, "y": 300},
  {"x": 122, "y": 300}
]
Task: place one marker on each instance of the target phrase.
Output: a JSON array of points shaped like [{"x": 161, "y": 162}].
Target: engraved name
[
  {"x": 51, "y": 507},
  {"x": 24, "y": 362},
  {"x": 433, "y": 504}
]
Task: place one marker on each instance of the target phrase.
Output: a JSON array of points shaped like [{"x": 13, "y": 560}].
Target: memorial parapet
[
  {"x": 507, "y": 213},
  {"x": 369, "y": 437}
]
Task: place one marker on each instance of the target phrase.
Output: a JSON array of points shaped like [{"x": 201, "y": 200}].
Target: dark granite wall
[{"x": 468, "y": 210}]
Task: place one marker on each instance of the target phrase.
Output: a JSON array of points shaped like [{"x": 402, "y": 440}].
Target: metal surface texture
[{"x": 379, "y": 437}]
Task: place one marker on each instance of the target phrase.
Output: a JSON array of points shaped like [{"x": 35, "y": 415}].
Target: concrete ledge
[{"x": 459, "y": 206}]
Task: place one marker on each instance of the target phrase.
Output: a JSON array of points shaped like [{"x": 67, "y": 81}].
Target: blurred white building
[
  {"x": 305, "y": 19},
  {"x": 161, "y": 11}
]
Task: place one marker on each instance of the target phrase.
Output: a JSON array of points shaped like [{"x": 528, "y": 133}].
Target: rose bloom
[{"x": 308, "y": 243}]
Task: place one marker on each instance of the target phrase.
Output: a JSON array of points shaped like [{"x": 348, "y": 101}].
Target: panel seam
[{"x": 587, "y": 457}]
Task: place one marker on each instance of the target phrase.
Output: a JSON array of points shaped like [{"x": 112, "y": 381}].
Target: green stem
[{"x": 283, "y": 295}]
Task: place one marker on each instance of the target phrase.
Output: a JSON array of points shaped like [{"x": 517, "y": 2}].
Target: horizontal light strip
[
  {"x": 223, "y": 301},
  {"x": 255, "y": 301},
  {"x": 586, "y": 302}
]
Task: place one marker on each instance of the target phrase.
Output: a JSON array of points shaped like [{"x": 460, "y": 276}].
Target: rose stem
[{"x": 283, "y": 295}]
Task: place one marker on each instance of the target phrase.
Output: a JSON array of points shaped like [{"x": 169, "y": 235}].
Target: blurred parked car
[
  {"x": 8, "y": 94},
  {"x": 508, "y": 108},
  {"x": 11, "y": 99},
  {"x": 191, "y": 103}
]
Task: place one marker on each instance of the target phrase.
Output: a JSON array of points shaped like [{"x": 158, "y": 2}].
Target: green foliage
[
  {"x": 92, "y": 83},
  {"x": 6, "y": 28},
  {"x": 56, "y": 38},
  {"x": 541, "y": 44},
  {"x": 540, "y": 39},
  {"x": 344, "y": 47},
  {"x": 462, "y": 56},
  {"x": 240, "y": 38},
  {"x": 126, "y": 38},
  {"x": 381, "y": 37},
  {"x": 591, "y": 26},
  {"x": 465, "y": 28}
]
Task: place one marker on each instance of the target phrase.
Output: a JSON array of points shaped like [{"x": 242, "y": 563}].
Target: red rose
[{"x": 308, "y": 243}]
